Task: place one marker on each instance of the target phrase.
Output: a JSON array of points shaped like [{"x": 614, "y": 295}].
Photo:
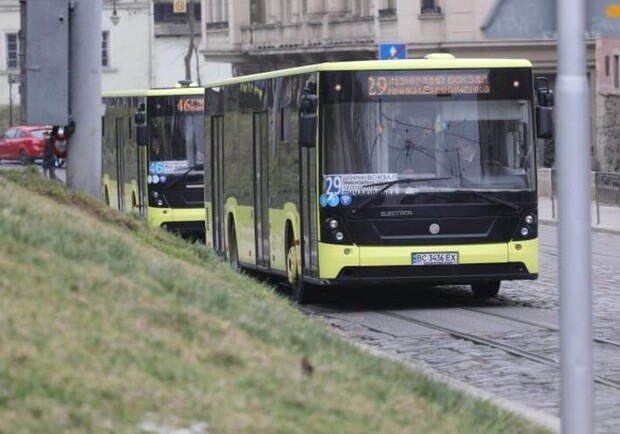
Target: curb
[{"x": 599, "y": 229}]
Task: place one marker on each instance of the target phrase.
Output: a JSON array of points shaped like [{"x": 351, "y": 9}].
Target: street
[{"x": 507, "y": 347}]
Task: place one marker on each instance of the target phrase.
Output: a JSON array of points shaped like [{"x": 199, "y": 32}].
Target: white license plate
[{"x": 437, "y": 258}]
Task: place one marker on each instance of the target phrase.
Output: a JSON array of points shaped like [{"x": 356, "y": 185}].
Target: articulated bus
[
  {"x": 153, "y": 156},
  {"x": 412, "y": 171}
]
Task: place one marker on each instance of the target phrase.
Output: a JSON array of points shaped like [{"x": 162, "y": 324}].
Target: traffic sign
[{"x": 392, "y": 51}]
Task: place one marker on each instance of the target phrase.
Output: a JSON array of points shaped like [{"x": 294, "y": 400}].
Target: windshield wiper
[
  {"x": 184, "y": 174},
  {"x": 388, "y": 184},
  {"x": 490, "y": 198}
]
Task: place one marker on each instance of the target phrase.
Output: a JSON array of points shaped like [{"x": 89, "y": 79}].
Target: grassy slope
[{"x": 106, "y": 324}]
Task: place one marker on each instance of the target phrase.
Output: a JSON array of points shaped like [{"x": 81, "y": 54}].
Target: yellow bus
[
  {"x": 346, "y": 173},
  {"x": 153, "y": 156}
]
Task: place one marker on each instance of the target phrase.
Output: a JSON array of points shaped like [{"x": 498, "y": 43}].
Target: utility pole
[
  {"x": 84, "y": 145},
  {"x": 573, "y": 157}
]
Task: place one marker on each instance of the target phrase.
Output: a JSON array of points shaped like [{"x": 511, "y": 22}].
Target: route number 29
[{"x": 333, "y": 184}]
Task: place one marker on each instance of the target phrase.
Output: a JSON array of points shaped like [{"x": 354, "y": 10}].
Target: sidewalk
[{"x": 604, "y": 219}]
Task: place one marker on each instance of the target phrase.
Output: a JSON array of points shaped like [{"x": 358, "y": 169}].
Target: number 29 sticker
[{"x": 333, "y": 185}]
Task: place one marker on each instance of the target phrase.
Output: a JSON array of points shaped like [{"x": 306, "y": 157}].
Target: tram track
[
  {"x": 346, "y": 306},
  {"x": 538, "y": 324},
  {"x": 511, "y": 349}
]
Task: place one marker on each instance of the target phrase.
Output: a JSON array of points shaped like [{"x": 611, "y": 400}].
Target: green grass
[{"x": 107, "y": 324}]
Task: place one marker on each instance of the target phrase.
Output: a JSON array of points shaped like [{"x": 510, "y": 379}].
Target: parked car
[{"x": 23, "y": 143}]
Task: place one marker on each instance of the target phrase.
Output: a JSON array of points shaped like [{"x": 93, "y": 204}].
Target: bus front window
[
  {"x": 482, "y": 141},
  {"x": 177, "y": 132}
]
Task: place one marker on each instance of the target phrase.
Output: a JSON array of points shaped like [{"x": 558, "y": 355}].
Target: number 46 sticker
[{"x": 333, "y": 185}]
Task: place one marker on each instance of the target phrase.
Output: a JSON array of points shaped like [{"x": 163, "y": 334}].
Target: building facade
[
  {"x": 143, "y": 45},
  {"x": 262, "y": 35}
]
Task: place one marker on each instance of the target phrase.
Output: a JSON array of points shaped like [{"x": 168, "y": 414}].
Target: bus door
[
  {"x": 308, "y": 211},
  {"x": 141, "y": 160},
  {"x": 119, "y": 143},
  {"x": 261, "y": 188},
  {"x": 217, "y": 181}
]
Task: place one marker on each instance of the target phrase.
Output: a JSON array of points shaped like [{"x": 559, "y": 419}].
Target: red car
[{"x": 23, "y": 143}]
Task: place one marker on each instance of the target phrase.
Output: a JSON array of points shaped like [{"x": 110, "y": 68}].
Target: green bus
[
  {"x": 153, "y": 156},
  {"x": 346, "y": 173}
]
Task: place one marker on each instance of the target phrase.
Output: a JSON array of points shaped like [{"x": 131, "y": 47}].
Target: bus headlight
[
  {"x": 524, "y": 231},
  {"x": 160, "y": 202},
  {"x": 333, "y": 230},
  {"x": 529, "y": 219}
]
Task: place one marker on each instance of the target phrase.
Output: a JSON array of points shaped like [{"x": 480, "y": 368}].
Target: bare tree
[{"x": 192, "y": 49}]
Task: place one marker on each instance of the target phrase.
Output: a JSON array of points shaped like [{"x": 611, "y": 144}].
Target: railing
[
  {"x": 604, "y": 191},
  {"x": 309, "y": 34}
]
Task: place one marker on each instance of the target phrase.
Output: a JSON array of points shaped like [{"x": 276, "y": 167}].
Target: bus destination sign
[
  {"x": 428, "y": 84},
  {"x": 191, "y": 104}
]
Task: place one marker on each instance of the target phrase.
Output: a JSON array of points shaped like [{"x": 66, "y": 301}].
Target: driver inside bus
[
  {"x": 418, "y": 141},
  {"x": 468, "y": 157}
]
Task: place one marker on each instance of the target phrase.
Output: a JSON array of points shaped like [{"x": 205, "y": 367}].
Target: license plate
[{"x": 436, "y": 258}]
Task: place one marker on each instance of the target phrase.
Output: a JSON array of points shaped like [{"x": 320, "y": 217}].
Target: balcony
[{"x": 358, "y": 31}]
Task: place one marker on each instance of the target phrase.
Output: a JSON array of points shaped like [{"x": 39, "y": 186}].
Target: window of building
[
  {"x": 285, "y": 11},
  {"x": 606, "y": 66},
  {"x": 430, "y": 7},
  {"x": 105, "y": 54},
  {"x": 616, "y": 72},
  {"x": 360, "y": 8},
  {"x": 388, "y": 9},
  {"x": 163, "y": 13},
  {"x": 257, "y": 11},
  {"x": 12, "y": 51}
]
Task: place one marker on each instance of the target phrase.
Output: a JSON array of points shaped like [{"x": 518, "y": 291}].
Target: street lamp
[{"x": 115, "y": 18}]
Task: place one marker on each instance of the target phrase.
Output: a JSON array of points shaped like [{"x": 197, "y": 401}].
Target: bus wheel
[
  {"x": 233, "y": 253},
  {"x": 486, "y": 289},
  {"x": 302, "y": 292}
]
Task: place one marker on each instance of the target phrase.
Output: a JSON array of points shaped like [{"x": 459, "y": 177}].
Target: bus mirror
[
  {"x": 543, "y": 93},
  {"x": 139, "y": 118},
  {"x": 307, "y": 127},
  {"x": 544, "y": 122},
  {"x": 142, "y": 135},
  {"x": 308, "y": 103}
]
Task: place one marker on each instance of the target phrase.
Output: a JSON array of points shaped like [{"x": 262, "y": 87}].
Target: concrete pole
[
  {"x": 573, "y": 156},
  {"x": 84, "y": 146}
]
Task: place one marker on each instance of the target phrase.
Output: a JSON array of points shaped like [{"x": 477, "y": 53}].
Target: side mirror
[
  {"x": 307, "y": 120},
  {"x": 142, "y": 135},
  {"x": 544, "y": 122},
  {"x": 307, "y": 130},
  {"x": 544, "y": 109},
  {"x": 142, "y": 132}
]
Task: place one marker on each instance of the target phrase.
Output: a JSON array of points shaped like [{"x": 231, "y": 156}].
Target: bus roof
[
  {"x": 432, "y": 62},
  {"x": 172, "y": 91}
]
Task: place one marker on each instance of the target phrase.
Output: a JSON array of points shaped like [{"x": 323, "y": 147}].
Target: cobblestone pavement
[{"x": 510, "y": 377}]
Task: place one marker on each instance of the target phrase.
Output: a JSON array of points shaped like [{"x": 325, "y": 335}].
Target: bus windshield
[
  {"x": 176, "y": 133},
  {"x": 452, "y": 129}
]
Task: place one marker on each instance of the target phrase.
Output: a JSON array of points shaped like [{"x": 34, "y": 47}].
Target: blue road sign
[{"x": 392, "y": 51}]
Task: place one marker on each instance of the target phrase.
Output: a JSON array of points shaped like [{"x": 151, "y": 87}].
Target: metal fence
[{"x": 604, "y": 189}]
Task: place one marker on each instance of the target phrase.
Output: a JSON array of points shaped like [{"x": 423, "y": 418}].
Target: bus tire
[
  {"x": 486, "y": 289},
  {"x": 302, "y": 292},
  {"x": 233, "y": 252}
]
